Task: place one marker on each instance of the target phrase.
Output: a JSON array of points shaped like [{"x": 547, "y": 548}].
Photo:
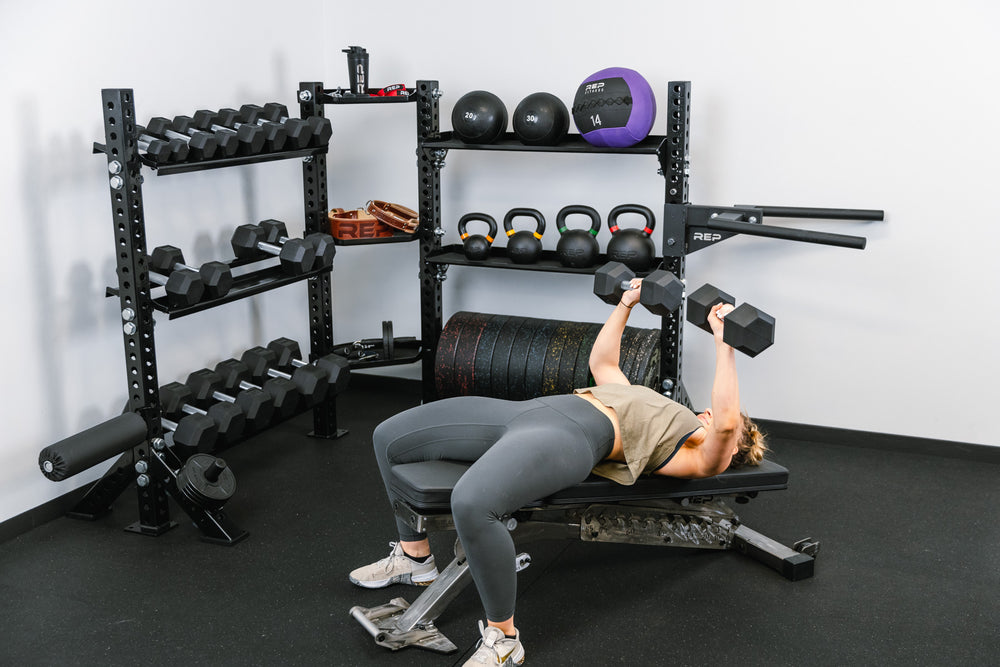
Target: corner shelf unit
[{"x": 671, "y": 151}]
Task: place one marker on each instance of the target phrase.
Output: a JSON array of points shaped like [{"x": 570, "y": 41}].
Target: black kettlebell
[
  {"x": 632, "y": 247},
  {"x": 578, "y": 248},
  {"x": 477, "y": 246},
  {"x": 524, "y": 247}
]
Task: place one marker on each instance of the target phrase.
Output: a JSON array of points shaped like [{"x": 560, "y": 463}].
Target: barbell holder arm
[
  {"x": 820, "y": 213},
  {"x": 802, "y": 235}
]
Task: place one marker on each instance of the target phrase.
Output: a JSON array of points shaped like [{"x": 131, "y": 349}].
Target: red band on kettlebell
[
  {"x": 613, "y": 228},
  {"x": 647, "y": 231}
]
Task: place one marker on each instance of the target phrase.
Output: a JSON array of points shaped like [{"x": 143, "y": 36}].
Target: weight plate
[
  {"x": 501, "y": 357},
  {"x": 535, "y": 365},
  {"x": 444, "y": 359},
  {"x": 519, "y": 358},
  {"x": 567, "y": 364},
  {"x": 465, "y": 352},
  {"x": 482, "y": 377},
  {"x": 553, "y": 356},
  {"x": 388, "y": 342},
  {"x": 582, "y": 376}
]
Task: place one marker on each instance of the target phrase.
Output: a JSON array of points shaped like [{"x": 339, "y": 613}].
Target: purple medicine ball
[{"x": 614, "y": 107}]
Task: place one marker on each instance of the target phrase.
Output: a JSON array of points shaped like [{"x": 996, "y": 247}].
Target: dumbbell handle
[
  {"x": 157, "y": 278},
  {"x": 219, "y": 396},
  {"x": 192, "y": 410},
  {"x": 168, "y": 424}
]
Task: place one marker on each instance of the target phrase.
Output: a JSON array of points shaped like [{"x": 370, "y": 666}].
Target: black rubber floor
[{"x": 908, "y": 573}]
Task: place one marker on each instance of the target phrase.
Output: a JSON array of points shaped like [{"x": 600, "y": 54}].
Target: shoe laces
[{"x": 388, "y": 561}]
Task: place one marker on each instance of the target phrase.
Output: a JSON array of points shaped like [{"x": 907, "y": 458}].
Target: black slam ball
[
  {"x": 479, "y": 117},
  {"x": 541, "y": 119}
]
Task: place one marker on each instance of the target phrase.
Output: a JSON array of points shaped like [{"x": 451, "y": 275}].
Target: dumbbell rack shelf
[
  {"x": 547, "y": 262},
  {"x": 167, "y": 169},
  {"x": 246, "y": 285}
]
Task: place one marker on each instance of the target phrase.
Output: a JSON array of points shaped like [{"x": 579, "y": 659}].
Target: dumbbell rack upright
[{"x": 150, "y": 464}]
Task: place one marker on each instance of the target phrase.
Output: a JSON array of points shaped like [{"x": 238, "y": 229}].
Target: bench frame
[{"x": 695, "y": 519}]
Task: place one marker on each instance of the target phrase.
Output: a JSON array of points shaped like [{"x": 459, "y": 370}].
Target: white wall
[{"x": 866, "y": 105}]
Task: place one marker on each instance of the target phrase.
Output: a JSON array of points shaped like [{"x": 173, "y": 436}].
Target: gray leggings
[{"x": 521, "y": 451}]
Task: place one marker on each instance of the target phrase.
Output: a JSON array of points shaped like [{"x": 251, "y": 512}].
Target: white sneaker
[
  {"x": 496, "y": 649},
  {"x": 396, "y": 568}
]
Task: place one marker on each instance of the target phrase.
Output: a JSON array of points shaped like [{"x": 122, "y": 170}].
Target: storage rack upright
[{"x": 149, "y": 464}]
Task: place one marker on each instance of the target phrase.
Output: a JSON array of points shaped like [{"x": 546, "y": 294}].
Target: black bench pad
[{"x": 426, "y": 486}]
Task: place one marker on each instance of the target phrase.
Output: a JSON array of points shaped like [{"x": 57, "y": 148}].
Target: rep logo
[{"x": 711, "y": 237}]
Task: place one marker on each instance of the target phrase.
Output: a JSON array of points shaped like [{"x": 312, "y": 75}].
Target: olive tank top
[{"x": 652, "y": 426}]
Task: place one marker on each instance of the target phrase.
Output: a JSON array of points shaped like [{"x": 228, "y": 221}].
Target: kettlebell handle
[
  {"x": 632, "y": 208},
  {"x": 488, "y": 219},
  {"x": 527, "y": 212},
  {"x": 595, "y": 217}
]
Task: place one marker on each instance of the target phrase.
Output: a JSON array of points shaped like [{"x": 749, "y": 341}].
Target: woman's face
[{"x": 705, "y": 418}]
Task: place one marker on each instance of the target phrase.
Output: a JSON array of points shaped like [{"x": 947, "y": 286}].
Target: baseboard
[
  {"x": 884, "y": 441},
  {"x": 44, "y": 513}
]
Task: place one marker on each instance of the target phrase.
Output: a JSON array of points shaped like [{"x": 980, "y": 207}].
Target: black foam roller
[{"x": 78, "y": 452}]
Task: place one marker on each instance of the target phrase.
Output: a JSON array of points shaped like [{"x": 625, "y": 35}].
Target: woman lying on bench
[{"x": 527, "y": 450}]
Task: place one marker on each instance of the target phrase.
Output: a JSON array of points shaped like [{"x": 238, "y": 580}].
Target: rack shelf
[
  {"x": 548, "y": 261},
  {"x": 342, "y": 96},
  {"x": 574, "y": 143},
  {"x": 401, "y": 237},
  {"x": 244, "y": 286},
  {"x": 222, "y": 163}
]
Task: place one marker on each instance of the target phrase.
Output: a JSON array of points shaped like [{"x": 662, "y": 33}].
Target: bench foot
[
  {"x": 794, "y": 564},
  {"x": 382, "y": 623}
]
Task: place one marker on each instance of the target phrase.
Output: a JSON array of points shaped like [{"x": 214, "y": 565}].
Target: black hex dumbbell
[
  {"x": 661, "y": 292},
  {"x": 206, "y": 388},
  {"x": 296, "y": 256},
  {"x": 309, "y": 380},
  {"x": 301, "y": 132},
  {"x": 184, "y": 286},
  {"x": 284, "y": 394},
  {"x": 201, "y": 145},
  {"x": 275, "y": 135},
  {"x": 161, "y": 151},
  {"x": 289, "y": 356},
  {"x": 175, "y": 401},
  {"x": 190, "y": 435},
  {"x": 217, "y": 277},
  {"x": 227, "y": 143},
  {"x": 746, "y": 328},
  {"x": 322, "y": 244},
  {"x": 250, "y": 137},
  {"x": 321, "y": 129}
]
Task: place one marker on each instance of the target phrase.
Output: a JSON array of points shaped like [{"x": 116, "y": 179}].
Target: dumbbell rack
[
  {"x": 671, "y": 151},
  {"x": 125, "y": 181}
]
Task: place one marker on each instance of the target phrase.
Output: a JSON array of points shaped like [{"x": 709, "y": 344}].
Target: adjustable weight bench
[{"x": 655, "y": 510}]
